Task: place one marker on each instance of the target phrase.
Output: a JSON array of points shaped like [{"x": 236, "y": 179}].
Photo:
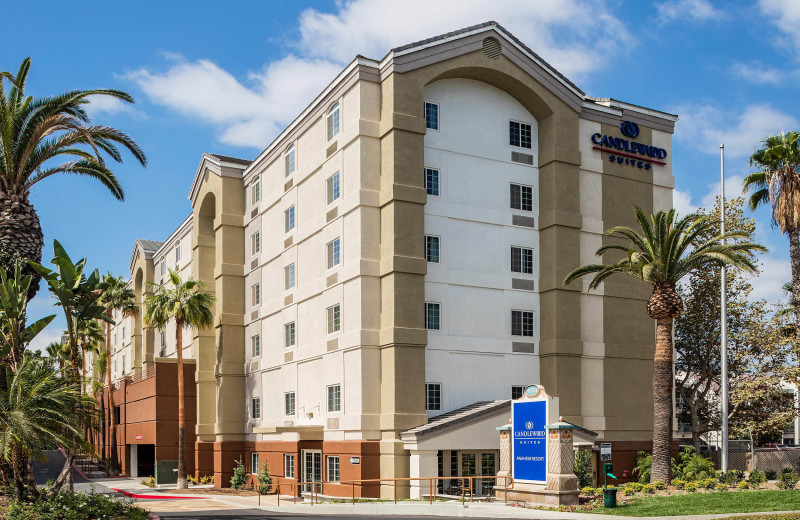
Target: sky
[{"x": 227, "y": 77}]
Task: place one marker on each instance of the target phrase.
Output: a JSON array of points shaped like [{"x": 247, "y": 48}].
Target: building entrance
[
  {"x": 312, "y": 468},
  {"x": 145, "y": 459}
]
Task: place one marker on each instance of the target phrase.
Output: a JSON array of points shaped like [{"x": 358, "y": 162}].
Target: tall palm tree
[
  {"x": 661, "y": 254},
  {"x": 188, "y": 304},
  {"x": 117, "y": 296},
  {"x": 35, "y": 134},
  {"x": 777, "y": 183},
  {"x": 90, "y": 335}
]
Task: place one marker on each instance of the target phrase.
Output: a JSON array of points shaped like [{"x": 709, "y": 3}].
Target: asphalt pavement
[
  {"x": 257, "y": 514},
  {"x": 51, "y": 467}
]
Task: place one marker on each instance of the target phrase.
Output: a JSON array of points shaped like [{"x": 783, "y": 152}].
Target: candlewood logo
[{"x": 629, "y": 129}]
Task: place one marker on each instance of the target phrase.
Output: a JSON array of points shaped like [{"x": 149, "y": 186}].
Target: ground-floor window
[
  {"x": 333, "y": 468},
  {"x": 254, "y": 463},
  {"x": 288, "y": 465},
  {"x": 455, "y": 466}
]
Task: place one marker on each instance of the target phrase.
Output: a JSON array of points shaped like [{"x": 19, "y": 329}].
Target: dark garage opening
[{"x": 146, "y": 459}]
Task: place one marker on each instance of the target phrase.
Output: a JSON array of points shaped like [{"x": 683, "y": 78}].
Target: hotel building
[{"x": 388, "y": 274}]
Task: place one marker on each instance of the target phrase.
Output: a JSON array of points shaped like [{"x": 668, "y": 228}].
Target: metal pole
[{"x": 724, "y": 319}]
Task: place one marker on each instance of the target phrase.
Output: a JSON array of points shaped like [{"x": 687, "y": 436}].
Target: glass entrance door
[{"x": 312, "y": 469}]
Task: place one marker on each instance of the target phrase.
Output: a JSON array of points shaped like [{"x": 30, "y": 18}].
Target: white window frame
[
  {"x": 438, "y": 249},
  {"x": 255, "y": 294},
  {"x": 163, "y": 266},
  {"x": 511, "y": 200},
  {"x": 255, "y": 345},
  {"x": 334, "y": 325},
  {"x": 522, "y": 250},
  {"x": 254, "y": 463},
  {"x": 287, "y": 398},
  {"x": 439, "y": 305},
  {"x": 337, "y": 398},
  {"x": 438, "y": 115},
  {"x": 333, "y": 188},
  {"x": 520, "y": 123},
  {"x": 333, "y": 251},
  {"x": 288, "y": 465},
  {"x": 438, "y": 181},
  {"x": 333, "y": 121},
  {"x": 178, "y": 252},
  {"x": 289, "y": 277},
  {"x": 289, "y": 219},
  {"x": 255, "y": 408},
  {"x": 289, "y": 334},
  {"x": 522, "y": 317},
  {"x": 428, "y": 402},
  {"x": 290, "y": 159},
  {"x": 337, "y": 476},
  {"x": 255, "y": 191},
  {"x": 255, "y": 243}
]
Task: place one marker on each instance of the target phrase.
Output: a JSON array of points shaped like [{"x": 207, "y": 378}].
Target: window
[
  {"x": 163, "y": 266},
  {"x": 255, "y": 243},
  {"x": 290, "y": 160},
  {"x": 334, "y": 398},
  {"x": 332, "y": 187},
  {"x": 163, "y": 344},
  {"x": 433, "y": 316},
  {"x": 288, "y": 399},
  {"x": 334, "y": 252},
  {"x": 254, "y": 463},
  {"x": 115, "y": 338},
  {"x": 255, "y": 345},
  {"x": 433, "y": 396},
  {"x": 521, "y": 323},
  {"x": 432, "y": 249},
  {"x": 255, "y": 294},
  {"x": 288, "y": 465},
  {"x": 178, "y": 252},
  {"x": 288, "y": 334},
  {"x": 123, "y": 332},
  {"x": 432, "y": 181},
  {"x": 522, "y": 260},
  {"x": 332, "y": 121},
  {"x": 517, "y": 391},
  {"x": 334, "y": 319},
  {"x": 255, "y": 406},
  {"x": 255, "y": 190},
  {"x": 521, "y": 197},
  {"x": 288, "y": 277},
  {"x": 432, "y": 116},
  {"x": 333, "y": 468},
  {"x": 288, "y": 219},
  {"x": 117, "y": 414},
  {"x": 123, "y": 364},
  {"x": 519, "y": 134}
]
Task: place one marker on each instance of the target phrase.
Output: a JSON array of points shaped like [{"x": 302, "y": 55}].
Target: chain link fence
[{"x": 743, "y": 456}]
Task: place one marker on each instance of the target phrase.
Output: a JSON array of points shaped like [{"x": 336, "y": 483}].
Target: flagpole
[{"x": 724, "y": 319}]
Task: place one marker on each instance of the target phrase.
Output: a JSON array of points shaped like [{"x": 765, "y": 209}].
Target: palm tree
[
  {"x": 35, "y": 133},
  {"x": 777, "y": 183},
  {"x": 117, "y": 296},
  {"x": 90, "y": 335},
  {"x": 663, "y": 253},
  {"x": 38, "y": 410},
  {"x": 188, "y": 304}
]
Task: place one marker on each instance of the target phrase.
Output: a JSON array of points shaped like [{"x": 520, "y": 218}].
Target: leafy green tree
[
  {"x": 117, "y": 296},
  {"x": 777, "y": 184},
  {"x": 14, "y": 334},
  {"x": 239, "y": 478},
  {"x": 37, "y": 411},
  {"x": 264, "y": 479},
  {"x": 583, "y": 467},
  {"x": 644, "y": 466},
  {"x": 662, "y": 254},
  {"x": 189, "y": 305},
  {"x": 36, "y": 134}
]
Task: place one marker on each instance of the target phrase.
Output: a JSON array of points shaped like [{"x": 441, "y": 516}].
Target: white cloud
[
  {"x": 768, "y": 285},
  {"x": 694, "y": 10},
  {"x": 575, "y": 36},
  {"x": 705, "y": 127},
  {"x": 786, "y": 15},
  {"x": 100, "y": 105},
  {"x": 758, "y": 73},
  {"x": 682, "y": 202}
]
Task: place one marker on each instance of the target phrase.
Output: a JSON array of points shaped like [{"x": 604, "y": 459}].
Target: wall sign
[
  {"x": 355, "y": 460},
  {"x": 628, "y": 151},
  {"x": 529, "y": 441},
  {"x": 139, "y": 437},
  {"x": 605, "y": 451}
]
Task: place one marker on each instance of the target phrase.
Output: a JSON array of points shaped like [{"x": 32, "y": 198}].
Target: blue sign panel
[{"x": 530, "y": 440}]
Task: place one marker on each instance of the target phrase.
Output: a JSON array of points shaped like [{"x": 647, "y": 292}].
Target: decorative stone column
[
  {"x": 561, "y": 460},
  {"x": 506, "y": 468}
]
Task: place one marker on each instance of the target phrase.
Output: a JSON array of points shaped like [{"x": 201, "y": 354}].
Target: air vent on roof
[{"x": 491, "y": 48}]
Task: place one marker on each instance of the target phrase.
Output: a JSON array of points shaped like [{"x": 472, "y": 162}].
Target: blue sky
[{"x": 226, "y": 77}]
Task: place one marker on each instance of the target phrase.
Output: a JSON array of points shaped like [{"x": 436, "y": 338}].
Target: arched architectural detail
[{"x": 142, "y": 335}]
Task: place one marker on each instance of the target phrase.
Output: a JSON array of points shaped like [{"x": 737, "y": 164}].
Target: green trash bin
[{"x": 610, "y": 497}]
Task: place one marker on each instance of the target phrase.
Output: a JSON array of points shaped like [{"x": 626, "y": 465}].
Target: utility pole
[{"x": 723, "y": 320}]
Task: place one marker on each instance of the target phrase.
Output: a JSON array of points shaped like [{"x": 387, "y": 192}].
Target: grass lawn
[{"x": 709, "y": 503}]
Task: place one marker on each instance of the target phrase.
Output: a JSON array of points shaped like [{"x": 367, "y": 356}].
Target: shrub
[
  {"x": 648, "y": 489},
  {"x": 756, "y": 477},
  {"x": 207, "y": 479},
  {"x": 743, "y": 485},
  {"x": 698, "y": 467},
  {"x": 264, "y": 480},
  {"x": 587, "y": 491},
  {"x": 734, "y": 476},
  {"x": 788, "y": 480},
  {"x": 708, "y": 483},
  {"x": 637, "y": 486},
  {"x": 659, "y": 484},
  {"x": 771, "y": 474},
  {"x": 68, "y": 505},
  {"x": 691, "y": 487},
  {"x": 583, "y": 467},
  {"x": 628, "y": 490},
  {"x": 644, "y": 466},
  {"x": 149, "y": 482},
  {"x": 191, "y": 480},
  {"x": 239, "y": 478},
  {"x": 679, "y": 484},
  {"x": 721, "y": 487}
]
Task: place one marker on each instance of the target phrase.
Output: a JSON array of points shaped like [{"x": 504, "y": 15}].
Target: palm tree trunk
[
  {"x": 182, "y": 483},
  {"x": 112, "y": 424},
  {"x": 794, "y": 255},
  {"x": 21, "y": 237},
  {"x": 662, "y": 402}
]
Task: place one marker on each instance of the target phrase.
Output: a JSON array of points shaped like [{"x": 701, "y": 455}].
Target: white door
[{"x": 312, "y": 468}]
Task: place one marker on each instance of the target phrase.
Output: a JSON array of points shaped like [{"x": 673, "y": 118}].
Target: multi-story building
[{"x": 388, "y": 271}]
